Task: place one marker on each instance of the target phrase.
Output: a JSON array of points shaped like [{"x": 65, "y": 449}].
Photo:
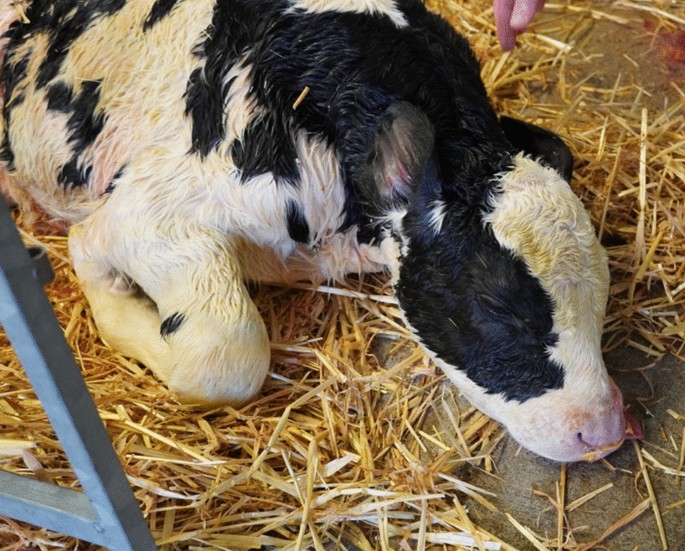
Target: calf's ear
[
  {"x": 399, "y": 156},
  {"x": 539, "y": 143}
]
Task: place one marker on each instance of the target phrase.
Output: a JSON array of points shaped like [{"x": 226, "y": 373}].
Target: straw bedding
[{"x": 355, "y": 442}]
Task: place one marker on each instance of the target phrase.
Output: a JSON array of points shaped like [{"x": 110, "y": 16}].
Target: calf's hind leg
[{"x": 194, "y": 324}]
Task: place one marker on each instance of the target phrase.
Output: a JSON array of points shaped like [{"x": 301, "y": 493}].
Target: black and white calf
[{"x": 196, "y": 144}]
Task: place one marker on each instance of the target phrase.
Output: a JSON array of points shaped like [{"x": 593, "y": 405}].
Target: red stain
[
  {"x": 670, "y": 47},
  {"x": 674, "y": 48}
]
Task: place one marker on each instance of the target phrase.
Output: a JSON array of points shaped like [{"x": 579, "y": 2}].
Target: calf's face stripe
[{"x": 538, "y": 217}]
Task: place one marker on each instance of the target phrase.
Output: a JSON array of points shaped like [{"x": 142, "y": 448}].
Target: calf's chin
[
  {"x": 568, "y": 424},
  {"x": 565, "y": 426}
]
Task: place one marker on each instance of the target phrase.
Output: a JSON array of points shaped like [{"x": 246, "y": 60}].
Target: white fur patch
[
  {"x": 436, "y": 216},
  {"x": 538, "y": 217},
  {"x": 396, "y": 245},
  {"x": 240, "y": 106},
  {"x": 382, "y": 7}
]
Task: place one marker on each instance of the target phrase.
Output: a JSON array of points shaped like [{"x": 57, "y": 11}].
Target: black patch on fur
[
  {"x": 84, "y": 122},
  {"x": 539, "y": 143},
  {"x": 110, "y": 7},
  {"x": 73, "y": 175},
  {"x": 6, "y": 153},
  {"x": 84, "y": 125},
  {"x": 229, "y": 34},
  {"x": 13, "y": 72},
  {"x": 113, "y": 184},
  {"x": 64, "y": 22},
  {"x": 204, "y": 104},
  {"x": 67, "y": 25},
  {"x": 298, "y": 228},
  {"x": 60, "y": 97},
  {"x": 171, "y": 324},
  {"x": 478, "y": 309},
  {"x": 159, "y": 10},
  {"x": 267, "y": 146}
]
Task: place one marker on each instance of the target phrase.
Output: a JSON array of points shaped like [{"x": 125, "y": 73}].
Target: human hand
[{"x": 512, "y": 17}]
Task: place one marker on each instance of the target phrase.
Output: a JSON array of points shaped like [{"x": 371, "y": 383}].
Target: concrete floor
[{"x": 650, "y": 392}]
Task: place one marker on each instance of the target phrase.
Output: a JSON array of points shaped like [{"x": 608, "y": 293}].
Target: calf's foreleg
[{"x": 173, "y": 298}]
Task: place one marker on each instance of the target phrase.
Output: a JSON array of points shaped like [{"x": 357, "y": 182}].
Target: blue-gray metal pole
[{"x": 113, "y": 519}]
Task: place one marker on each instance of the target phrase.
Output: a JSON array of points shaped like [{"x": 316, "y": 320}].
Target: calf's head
[{"x": 505, "y": 284}]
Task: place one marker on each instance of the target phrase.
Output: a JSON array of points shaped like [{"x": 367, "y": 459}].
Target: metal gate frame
[{"x": 106, "y": 512}]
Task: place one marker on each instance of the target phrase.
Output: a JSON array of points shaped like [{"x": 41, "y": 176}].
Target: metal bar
[
  {"x": 33, "y": 330},
  {"x": 41, "y": 262},
  {"x": 59, "y": 509}
]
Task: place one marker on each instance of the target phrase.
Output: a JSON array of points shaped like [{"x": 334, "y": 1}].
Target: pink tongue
[{"x": 633, "y": 429}]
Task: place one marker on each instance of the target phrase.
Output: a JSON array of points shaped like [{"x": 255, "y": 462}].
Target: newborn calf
[{"x": 198, "y": 144}]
